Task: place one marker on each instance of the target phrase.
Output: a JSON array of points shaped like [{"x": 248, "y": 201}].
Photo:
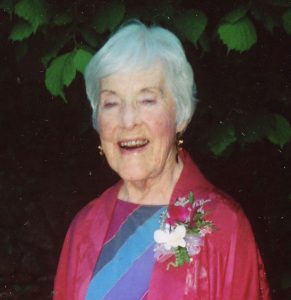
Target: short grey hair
[{"x": 136, "y": 47}]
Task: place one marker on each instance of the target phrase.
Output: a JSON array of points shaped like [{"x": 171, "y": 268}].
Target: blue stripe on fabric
[
  {"x": 139, "y": 272},
  {"x": 139, "y": 216},
  {"x": 123, "y": 259}
]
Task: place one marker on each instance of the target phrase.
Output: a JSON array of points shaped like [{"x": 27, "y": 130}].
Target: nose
[{"x": 129, "y": 116}]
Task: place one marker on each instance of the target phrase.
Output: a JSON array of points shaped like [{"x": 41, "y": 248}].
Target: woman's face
[{"x": 136, "y": 121}]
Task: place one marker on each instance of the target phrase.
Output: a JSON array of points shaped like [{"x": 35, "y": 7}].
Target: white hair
[{"x": 136, "y": 47}]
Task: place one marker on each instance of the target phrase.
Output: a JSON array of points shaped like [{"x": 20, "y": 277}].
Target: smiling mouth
[{"x": 133, "y": 144}]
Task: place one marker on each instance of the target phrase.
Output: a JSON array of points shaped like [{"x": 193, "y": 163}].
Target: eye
[
  {"x": 149, "y": 101},
  {"x": 109, "y": 104},
  {"x": 109, "y": 101}
]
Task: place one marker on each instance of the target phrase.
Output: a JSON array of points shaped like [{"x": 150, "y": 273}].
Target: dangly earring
[
  {"x": 179, "y": 142},
  {"x": 100, "y": 150}
]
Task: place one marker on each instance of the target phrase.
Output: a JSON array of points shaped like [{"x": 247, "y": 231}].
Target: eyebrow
[
  {"x": 146, "y": 89},
  {"x": 151, "y": 88},
  {"x": 107, "y": 91}
]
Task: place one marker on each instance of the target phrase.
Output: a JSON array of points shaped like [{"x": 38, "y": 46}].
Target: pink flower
[
  {"x": 183, "y": 227},
  {"x": 179, "y": 214}
]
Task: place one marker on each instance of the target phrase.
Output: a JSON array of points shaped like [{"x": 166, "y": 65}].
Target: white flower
[{"x": 171, "y": 239}]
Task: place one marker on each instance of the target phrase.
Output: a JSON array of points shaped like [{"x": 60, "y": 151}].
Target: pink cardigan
[{"x": 228, "y": 267}]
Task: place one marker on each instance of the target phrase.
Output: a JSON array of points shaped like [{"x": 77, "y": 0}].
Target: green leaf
[
  {"x": 54, "y": 44},
  {"x": 239, "y": 36},
  {"x": 21, "y": 31},
  {"x": 48, "y": 56},
  {"x": 60, "y": 72},
  {"x": 280, "y": 133},
  {"x": 108, "y": 16},
  {"x": 90, "y": 36},
  {"x": 181, "y": 257},
  {"x": 274, "y": 127},
  {"x": 81, "y": 59},
  {"x": 270, "y": 23},
  {"x": 266, "y": 15},
  {"x": 236, "y": 14},
  {"x": 191, "y": 24},
  {"x": 255, "y": 127},
  {"x": 221, "y": 138},
  {"x": 191, "y": 197},
  {"x": 69, "y": 71},
  {"x": 61, "y": 19},
  {"x": 286, "y": 19},
  {"x": 33, "y": 11}
]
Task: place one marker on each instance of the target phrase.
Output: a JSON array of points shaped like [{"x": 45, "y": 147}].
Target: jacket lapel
[{"x": 171, "y": 284}]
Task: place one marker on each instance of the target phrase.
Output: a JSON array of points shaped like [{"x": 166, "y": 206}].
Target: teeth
[{"x": 133, "y": 143}]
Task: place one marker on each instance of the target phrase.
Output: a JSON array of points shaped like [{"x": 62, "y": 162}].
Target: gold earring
[
  {"x": 100, "y": 150},
  {"x": 179, "y": 141}
]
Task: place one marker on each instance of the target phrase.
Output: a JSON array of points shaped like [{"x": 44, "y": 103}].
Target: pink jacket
[{"x": 228, "y": 267}]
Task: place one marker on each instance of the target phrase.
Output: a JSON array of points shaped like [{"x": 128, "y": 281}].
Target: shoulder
[
  {"x": 98, "y": 207},
  {"x": 230, "y": 222},
  {"x": 225, "y": 211},
  {"x": 221, "y": 207},
  {"x": 224, "y": 206},
  {"x": 83, "y": 242}
]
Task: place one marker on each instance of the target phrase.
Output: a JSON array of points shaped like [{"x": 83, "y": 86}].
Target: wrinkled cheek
[
  {"x": 105, "y": 131},
  {"x": 165, "y": 124},
  {"x": 166, "y": 130}
]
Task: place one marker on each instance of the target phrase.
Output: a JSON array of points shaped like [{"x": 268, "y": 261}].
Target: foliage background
[{"x": 240, "y": 134}]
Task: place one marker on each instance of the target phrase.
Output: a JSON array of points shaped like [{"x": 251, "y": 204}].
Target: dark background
[{"x": 50, "y": 167}]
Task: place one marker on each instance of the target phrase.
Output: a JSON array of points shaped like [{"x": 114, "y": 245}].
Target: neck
[{"x": 153, "y": 191}]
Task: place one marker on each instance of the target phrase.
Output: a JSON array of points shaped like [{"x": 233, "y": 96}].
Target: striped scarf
[{"x": 124, "y": 267}]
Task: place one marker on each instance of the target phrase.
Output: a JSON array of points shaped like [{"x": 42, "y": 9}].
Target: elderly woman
[{"x": 163, "y": 231}]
